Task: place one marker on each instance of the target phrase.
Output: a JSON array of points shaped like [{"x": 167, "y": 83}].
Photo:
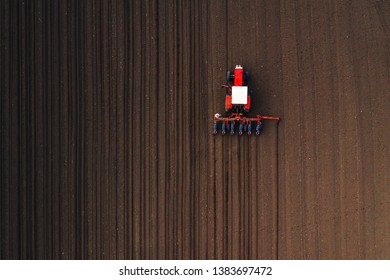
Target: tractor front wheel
[{"x": 229, "y": 76}]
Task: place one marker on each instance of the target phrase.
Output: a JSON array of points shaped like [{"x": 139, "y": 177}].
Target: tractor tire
[
  {"x": 229, "y": 76},
  {"x": 246, "y": 77}
]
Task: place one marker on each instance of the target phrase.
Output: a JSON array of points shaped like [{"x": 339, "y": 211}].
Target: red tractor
[{"x": 238, "y": 104}]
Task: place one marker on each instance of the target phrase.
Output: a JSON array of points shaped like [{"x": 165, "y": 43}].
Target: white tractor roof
[{"x": 239, "y": 95}]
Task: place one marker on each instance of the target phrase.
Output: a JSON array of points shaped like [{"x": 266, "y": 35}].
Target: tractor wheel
[
  {"x": 229, "y": 76},
  {"x": 246, "y": 77}
]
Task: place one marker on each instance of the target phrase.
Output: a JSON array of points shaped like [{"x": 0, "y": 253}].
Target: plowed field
[{"x": 106, "y": 119}]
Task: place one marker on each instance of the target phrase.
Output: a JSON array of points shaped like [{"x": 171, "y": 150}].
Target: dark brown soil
[{"x": 106, "y": 118}]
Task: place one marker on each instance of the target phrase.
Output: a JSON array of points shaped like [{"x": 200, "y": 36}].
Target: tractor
[{"x": 237, "y": 105}]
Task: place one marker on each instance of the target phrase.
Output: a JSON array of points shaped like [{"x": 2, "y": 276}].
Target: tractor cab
[{"x": 237, "y": 96}]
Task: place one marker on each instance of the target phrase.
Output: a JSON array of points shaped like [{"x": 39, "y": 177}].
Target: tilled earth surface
[{"x": 106, "y": 120}]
